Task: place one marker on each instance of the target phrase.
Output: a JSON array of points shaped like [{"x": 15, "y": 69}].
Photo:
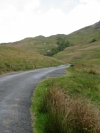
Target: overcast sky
[{"x": 28, "y": 18}]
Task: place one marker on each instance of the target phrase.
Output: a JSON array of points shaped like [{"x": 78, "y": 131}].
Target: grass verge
[{"x": 68, "y": 104}]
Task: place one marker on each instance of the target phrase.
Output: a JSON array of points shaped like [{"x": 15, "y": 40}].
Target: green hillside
[
  {"x": 41, "y": 44},
  {"x": 14, "y": 59},
  {"x": 86, "y": 46},
  {"x": 38, "y": 44},
  {"x": 86, "y": 35}
]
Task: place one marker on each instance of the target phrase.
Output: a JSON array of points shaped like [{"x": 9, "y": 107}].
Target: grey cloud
[
  {"x": 65, "y": 5},
  {"x": 18, "y": 4}
]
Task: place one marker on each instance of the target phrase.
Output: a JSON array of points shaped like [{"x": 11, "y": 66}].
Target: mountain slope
[
  {"x": 86, "y": 45},
  {"x": 41, "y": 44},
  {"x": 86, "y": 35},
  {"x": 38, "y": 44}
]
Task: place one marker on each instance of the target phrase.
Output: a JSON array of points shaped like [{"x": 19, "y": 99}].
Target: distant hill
[
  {"x": 85, "y": 44},
  {"x": 43, "y": 44}
]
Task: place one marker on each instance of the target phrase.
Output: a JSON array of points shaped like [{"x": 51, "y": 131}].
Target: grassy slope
[
  {"x": 14, "y": 59},
  {"x": 38, "y": 44},
  {"x": 84, "y": 53},
  {"x": 83, "y": 50},
  {"x": 81, "y": 39}
]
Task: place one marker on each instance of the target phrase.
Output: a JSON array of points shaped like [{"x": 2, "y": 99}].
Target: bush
[
  {"x": 93, "y": 40},
  {"x": 91, "y": 71}
]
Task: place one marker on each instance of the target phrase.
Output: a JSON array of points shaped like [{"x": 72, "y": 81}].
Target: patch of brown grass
[{"x": 68, "y": 115}]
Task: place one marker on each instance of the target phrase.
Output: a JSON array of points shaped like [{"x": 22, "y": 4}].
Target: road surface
[{"x": 16, "y": 90}]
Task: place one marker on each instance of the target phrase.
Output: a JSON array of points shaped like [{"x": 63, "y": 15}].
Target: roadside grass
[
  {"x": 68, "y": 104},
  {"x": 14, "y": 59}
]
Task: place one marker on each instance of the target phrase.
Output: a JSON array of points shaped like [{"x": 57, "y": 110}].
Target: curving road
[{"x": 16, "y": 90}]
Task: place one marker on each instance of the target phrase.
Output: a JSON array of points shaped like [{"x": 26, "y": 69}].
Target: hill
[
  {"x": 15, "y": 59},
  {"x": 41, "y": 44},
  {"x": 85, "y": 45},
  {"x": 86, "y": 35},
  {"x": 38, "y": 44}
]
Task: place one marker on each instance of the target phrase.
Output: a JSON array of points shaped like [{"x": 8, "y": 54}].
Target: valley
[{"x": 80, "y": 84}]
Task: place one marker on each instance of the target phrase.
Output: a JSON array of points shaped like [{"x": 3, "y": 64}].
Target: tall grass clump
[{"x": 64, "y": 114}]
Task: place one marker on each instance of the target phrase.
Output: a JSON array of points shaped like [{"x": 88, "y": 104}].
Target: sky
[{"x": 20, "y": 19}]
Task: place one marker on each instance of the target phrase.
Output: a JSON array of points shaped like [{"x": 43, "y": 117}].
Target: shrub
[
  {"x": 93, "y": 40},
  {"x": 91, "y": 71}
]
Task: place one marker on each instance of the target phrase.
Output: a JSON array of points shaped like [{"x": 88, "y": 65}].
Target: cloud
[
  {"x": 53, "y": 21},
  {"x": 88, "y": 1},
  {"x": 84, "y": 14},
  {"x": 26, "y": 19},
  {"x": 33, "y": 4},
  {"x": 14, "y": 9},
  {"x": 67, "y": 2},
  {"x": 16, "y": 17},
  {"x": 18, "y": 4}
]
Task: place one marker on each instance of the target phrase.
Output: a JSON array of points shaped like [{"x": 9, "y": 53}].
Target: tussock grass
[{"x": 64, "y": 114}]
